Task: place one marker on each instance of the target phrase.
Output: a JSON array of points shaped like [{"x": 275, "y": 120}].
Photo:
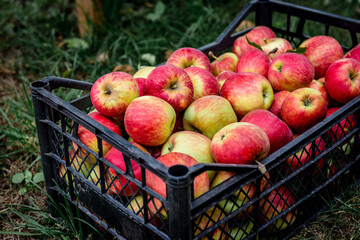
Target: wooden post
[{"x": 88, "y": 12}]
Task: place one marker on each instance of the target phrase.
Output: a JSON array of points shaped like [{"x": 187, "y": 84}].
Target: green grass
[{"x": 39, "y": 39}]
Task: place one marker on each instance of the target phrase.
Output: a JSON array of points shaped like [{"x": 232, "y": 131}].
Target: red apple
[
  {"x": 240, "y": 143},
  {"x": 341, "y": 129},
  {"x": 204, "y": 83},
  {"x": 275, "y": 203},
  {"x": 149, "y": 120},
  {"x": 222, "y": 77},
  {"x": 342, "y": 80},
  {"x": 189, "y": 57},
  {"x": 171, "y": 84},
  {"x": 276, "y": 46},
  {"x": 256, "y": 35},
  {"x": 303, "y": 108},
  {"x": 278, "y": 132},
  {"x": 90, "y": 140},
  {"x": 255, "y": 61},
  {"x": 279, "y": 98},
  {"x": 322, "y": 51},
  {"x": 320, "y": 86},
  {"x": 113, "y": 92},
  {"x": 225, "y": 62},
  {"x": 201, "y": 182},
  {"x": 141, "y": 84},
  {"x": 290, "y": 71},
  {"x": 304, "y": 155},
  {"x": 192, "y": 143},
  {"x": 118, "y": 184},
  {"x": 354, "y": 53},
  {"x": 207, "y": 115},
  {"x": 246, "y": 92}
]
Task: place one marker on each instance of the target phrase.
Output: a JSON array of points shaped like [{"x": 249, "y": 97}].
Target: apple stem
[
  {"x": 107, "y": 91},
  {"x": 265, "y": 41},
  {"x": 273, "y": 51},
  {"x": 211, "y": 54},
  {"x": 353, "y": 76},
  {"x": 261, "y": 167}
]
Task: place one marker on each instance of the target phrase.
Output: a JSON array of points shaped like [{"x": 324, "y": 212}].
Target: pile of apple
[{"x": 236, "y": 108}]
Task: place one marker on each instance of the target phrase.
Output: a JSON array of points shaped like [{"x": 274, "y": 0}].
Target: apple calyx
[
  {"x": 353, "y": 75},
  {"x": 173, "y": 86},
  {"x": 307, "y": 102},
  {"x": 108, "y": 91},
  {"x": 211, "y": 54}
]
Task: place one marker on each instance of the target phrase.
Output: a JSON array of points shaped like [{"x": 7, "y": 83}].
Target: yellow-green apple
[
  {"x": 278, "y": 132},
  {"x": 279, "y": 98},
  {"x": 143, "y": 72},
  {"x": 257, "y": 35},
  {"x": 192, "y": 143},
  {"x": 149, "y": 120},
  {"x": 354, "y": 53},
  {"x": 240, "y": 143},
  {"x": 240, "y": 197},
  {"x": 278, "y": 200},
  {"x": 225, "y": 62},
  {"x": 137, "y": 206},
  {"x": 90, "y": 140},
  {"x": 204, "y": 83},
  {"x": 171, "y": 84},
  {"x": 117, "y": 183},
  {"x": 207, "y": 115},
  {"x": 255, "y": 61},
  {"x": 200, "y": 184},
  {"x": 222, "y": 77},
  {"x": 340, "y": 129},
  {"x": 113, "y": 92},
  {"x": 320, "y": 86},
  {"x": 303, "y": 108},
  {"x": 208, "y": 219},
  {"x": 240, "y": 233},
  {"x": 342, "y": 80},
  {"x": 94, "y": 176},
  {"x": 322, "y": 51},
  {"x": 304, "y": 155},
  {"x": 275, "y": 46},
  {"x": 246, "y": 92},
  {"x": 189, "y": 57},
  {"x": 290, "y": 71}
]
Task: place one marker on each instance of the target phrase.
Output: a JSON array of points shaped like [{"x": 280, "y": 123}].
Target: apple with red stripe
[
  {"x": 246, "y": 92},
  {"x": 189, "y": 57},
  {"x": 342, "y": 80},
  {"x": 113, "y": 92},
  {"x": 322, "y": 51},
  {"x": 255, "y": 61},
  {"x": 149, "y": 120},
  {"x": 204, "y": 83},
  {"x": 171, "y": 84}
]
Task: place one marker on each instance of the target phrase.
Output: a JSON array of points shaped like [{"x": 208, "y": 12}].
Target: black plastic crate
[{"x": 330, "y": 165}]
